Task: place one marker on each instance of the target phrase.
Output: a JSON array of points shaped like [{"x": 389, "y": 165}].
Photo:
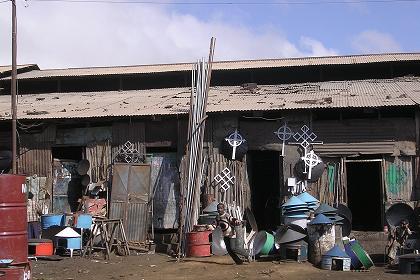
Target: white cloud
[
  {"x": 58, "y": 35},
  {"x": 372, "y": 41}
]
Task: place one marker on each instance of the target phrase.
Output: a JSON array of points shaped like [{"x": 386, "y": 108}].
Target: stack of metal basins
[
  {"x": 310, "y": 201},
  {"x": 295, "y": 211},
  {"x": 330, "y": 212},
  {"x": 209, "y": 214},
  {"x": 292, "y": 237}
]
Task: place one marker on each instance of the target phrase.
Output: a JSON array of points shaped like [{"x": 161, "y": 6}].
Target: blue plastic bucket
[
  {"x": 50, "y": 220},
  {"x": 84, "y": 221}
]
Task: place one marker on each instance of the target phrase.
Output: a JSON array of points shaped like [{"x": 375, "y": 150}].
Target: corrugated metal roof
[
  {"x": 337, "y": 94},
  {"x": 222, "y": 65},
  {"x": 8, "y": 68}
]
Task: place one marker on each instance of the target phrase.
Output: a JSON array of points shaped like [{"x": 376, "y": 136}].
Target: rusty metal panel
[
  {"x": 130, "y": 197},
  {"x": 35, "y": 153},
  {"x": 128, "y": 131},
  {"x": 219, "y": 65},
  {"x": 170, "y": 101},
  {"x": 398, "y": 177}
]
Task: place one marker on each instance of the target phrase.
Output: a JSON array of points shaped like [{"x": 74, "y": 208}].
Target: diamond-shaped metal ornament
[{"x": 225, "y": 179}]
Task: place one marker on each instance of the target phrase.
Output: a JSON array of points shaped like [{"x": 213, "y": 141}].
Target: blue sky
[{"x": 63, "y": 34}]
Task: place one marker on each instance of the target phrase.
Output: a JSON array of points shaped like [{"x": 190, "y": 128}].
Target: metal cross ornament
[
  {"x": 225, "y": 179},
  {"x": 311, "y": 160},
  {"x": 284, "y": 133},
  {"x": 129, "y": 154},
  {"x": 235, "y": 140},
  {"x": 306, "y": 138}
]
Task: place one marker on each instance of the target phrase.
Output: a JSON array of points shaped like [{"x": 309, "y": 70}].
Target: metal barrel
[
  {"x": 49, "y": 220},
  {"x": 22, "y": 272},
  {"x": 83, "y": 221},
  {"x": 13, "y": 223},
  {"x": 198, "y": 244}
]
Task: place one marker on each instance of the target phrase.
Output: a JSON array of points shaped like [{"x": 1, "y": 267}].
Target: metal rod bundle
[{"x": 194, "y": 160}]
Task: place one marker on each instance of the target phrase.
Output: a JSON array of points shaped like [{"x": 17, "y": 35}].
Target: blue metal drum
[{"x": 84, "y": 221}]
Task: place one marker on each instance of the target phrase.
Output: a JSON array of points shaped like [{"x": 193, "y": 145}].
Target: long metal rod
[{"x": 13, "y": 87}]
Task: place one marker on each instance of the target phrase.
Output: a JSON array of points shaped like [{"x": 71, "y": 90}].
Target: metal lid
[
  {"x": 306, "y": 197},
  {"x": 212, "y": 207},
  {"x": 288, "y": 236},
  {"x": 294, "y": 201},
  {"x": 325, "y": 208},
  {"x": 336, "y": 252},
  {"x": 321, "y": 219}
]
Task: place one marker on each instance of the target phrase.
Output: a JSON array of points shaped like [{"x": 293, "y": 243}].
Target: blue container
[
  {"x": 355, "y": 262},
  {"x": 84, "y": 221},
  {"x": 50, "y": 220},
  {"x": 74, "y": 243}
]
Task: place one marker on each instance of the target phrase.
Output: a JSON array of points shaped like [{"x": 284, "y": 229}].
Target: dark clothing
[
  {"x": 231, "y": 253},
  {"x": 34, "y": 230}
]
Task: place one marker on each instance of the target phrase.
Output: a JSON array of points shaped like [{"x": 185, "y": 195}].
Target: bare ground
[{"x": 159, "y": 266}]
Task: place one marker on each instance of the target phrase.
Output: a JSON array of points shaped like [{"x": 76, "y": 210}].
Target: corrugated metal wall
[
  {"x": 128, "y": 131},
  {"x": 99, "y": 156},
  {"x": 370, "y": 136},
  {"x": 35, "y": 153},
  {"x": 398, "y": 178}
]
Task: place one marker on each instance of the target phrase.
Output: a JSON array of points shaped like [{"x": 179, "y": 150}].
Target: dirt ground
[{"x": 160, "y": 266}]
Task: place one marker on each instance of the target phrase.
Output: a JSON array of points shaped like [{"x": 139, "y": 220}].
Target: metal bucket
[
  {"x": 83, "y": 221},
  {"x": 13, "y": 224},
  {"x": 198, "y": 244},
  {"x": 321, "y": 239},
  {"x": 263, "y": 243},
  {"x": 50, "y": 220}
]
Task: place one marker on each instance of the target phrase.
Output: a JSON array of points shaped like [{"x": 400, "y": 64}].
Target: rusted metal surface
[
  {"x": 365, "y": 137},
  {"x": 175, "y": 101},
  {"x": 222, "y": 65},
  {"x": 13, "y": 225},
  {"x": 130, "y": 199},
  {"x": 99, "y": 155},
  {"x": 398, "y": 178},
  {"x": 128, "y": 131},
  {"x": 35, "y": 153}
]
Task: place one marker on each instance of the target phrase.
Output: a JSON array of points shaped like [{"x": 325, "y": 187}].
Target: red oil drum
[
  {"x": 198, "y": 244},
  {"x": 19, "y": 272},
  {"x": 13, "y": 224}
]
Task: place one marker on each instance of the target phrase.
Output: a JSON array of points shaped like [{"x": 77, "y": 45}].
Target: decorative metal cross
[
  {"x": 306, "y": 138},
  {"x": 311, "y": 160},
  {"x": 235, "y": 140},
  {"x": 129, "y": 154},
  {"x": 225, "y": 179},
  {"x": 284, "y": 133}
]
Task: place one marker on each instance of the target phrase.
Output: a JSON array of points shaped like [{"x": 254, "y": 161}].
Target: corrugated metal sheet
[
  {"x": 364, "y": 137},
  {"x": 35, "y": 156},
  {"x": 223, "y": 65},
  {"x": 363, "y": 148},
  {"x": 358, "y": 93},
  {"x": 128, "y": 131},
  {"x": 130, "y": 197},
  {"x": 398, "y": 177},
  {"x": 7, "y": 69}
]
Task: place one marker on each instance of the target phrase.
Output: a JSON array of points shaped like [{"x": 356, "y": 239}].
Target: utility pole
[{"x": 13, "y": 87}]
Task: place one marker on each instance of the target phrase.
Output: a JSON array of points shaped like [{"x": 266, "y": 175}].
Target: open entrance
[
  {"x": 67, "y": 187},
  {"x": 364, "y": 194},
  {"x": 265, "y": 177}
]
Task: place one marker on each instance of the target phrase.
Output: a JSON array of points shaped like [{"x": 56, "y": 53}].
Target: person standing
[
  {"x": 33, "y": 212},
  {"x": 396, "y": 239},
  {"x": 228, "y": 223}
]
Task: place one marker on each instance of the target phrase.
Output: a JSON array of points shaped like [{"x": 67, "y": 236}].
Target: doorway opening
[
  {"x": 364, "y": 193},
  {"x": 265, "y": 172},
  {"x": 67, "y": 188}
]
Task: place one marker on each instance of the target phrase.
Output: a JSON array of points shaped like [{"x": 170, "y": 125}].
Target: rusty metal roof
[
  {"x": 221, "y": 65},
  {"x": 337, "y": 94},
  {"x": 8, "y": 68}
]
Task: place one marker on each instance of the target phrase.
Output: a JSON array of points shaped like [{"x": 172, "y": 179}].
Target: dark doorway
[
  {"x": 364, "y": 194},
  {"x": 265, "y": 177},
  {"x": 67, "y": 187}
]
